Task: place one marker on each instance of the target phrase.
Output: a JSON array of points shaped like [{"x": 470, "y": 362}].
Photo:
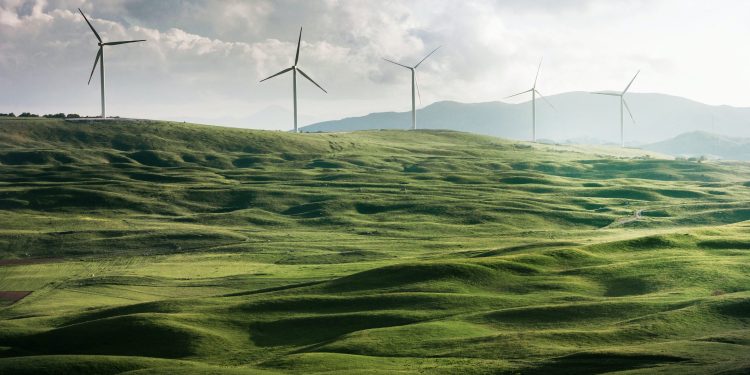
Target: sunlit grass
[{"x": 175, "y": 248}]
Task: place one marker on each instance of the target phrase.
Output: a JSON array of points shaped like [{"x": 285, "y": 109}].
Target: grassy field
[{"x": 161, "y": 248}]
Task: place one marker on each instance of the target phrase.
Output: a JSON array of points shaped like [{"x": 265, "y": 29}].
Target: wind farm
[{"x": 334, "y": 238}]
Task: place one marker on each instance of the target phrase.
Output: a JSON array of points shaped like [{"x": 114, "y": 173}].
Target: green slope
[{"x": 156, "y": 247}]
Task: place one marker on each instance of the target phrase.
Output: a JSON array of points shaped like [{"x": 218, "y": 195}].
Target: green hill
[{"x": 156, "y": 248}]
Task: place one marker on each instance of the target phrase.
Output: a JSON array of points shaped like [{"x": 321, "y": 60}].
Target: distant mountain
[
  {"x": 272, "y": 118},
  {"x": 701, "y": 143},
  {"x": 579, "y": 116}
]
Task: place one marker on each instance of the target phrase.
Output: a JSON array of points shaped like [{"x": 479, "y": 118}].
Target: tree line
[{"x": 49, "y": 115}]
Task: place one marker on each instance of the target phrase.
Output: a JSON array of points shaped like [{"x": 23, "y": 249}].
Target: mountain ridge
[
  {"x": 579, "y": 114},
  {"x": 702, "y": 143}
]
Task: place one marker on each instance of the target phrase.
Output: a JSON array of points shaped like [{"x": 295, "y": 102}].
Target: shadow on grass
[{"x": 598, "y": 363}]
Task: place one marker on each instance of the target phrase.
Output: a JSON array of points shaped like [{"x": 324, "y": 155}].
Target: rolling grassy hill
[{"x": 158, "y": 248}]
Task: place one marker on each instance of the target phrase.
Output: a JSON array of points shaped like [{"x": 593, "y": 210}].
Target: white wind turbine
[
  {"x": 534, "y": 93},
  {"x": 623, "y": 103},
  {"x": 100, "y": 57},
  {"x": 294, "y": 70},
  {"x": 414, "y": 85}
]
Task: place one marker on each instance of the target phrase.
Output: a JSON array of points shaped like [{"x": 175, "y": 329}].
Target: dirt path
[
  {"x": 637, "y": 215},
  {"x": 12, "y": 297}
]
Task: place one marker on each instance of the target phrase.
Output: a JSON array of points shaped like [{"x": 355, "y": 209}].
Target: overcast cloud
[{"x": 203, "y": 59}]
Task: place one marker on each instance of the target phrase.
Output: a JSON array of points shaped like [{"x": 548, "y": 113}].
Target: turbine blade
[
  {"x": 299, "y": 41},
  {"x": 545, "y": 99},
  {"x": 520, "y": 93},
  {"x": 96, "y": 61},
  {"x": 92, "y": 27},
  {"x": 311, "y": 80},
  {"x": 416, "y": 83},
  {"x": 393, "y": 62},
  {"x": 279, "y": 73},
  {"x": 631, "y": 82},
  {"x": 123, "y": 42},
  {"x": 628, "y": 108},
  {"x": 606, "y": 93},
  {"x": 537, "y": 71},
  {"x": 425, "y": 58}
]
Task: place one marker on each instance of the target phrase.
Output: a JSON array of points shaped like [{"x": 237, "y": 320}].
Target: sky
[{"x": 203, "y": 59}]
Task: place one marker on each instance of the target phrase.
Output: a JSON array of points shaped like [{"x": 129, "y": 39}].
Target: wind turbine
[
  {"x": 623, "y": 103},
  {"x": 100, "y": 56},
  {"x": 294, "y": 70},
  {"x": 414, "y": 85},
  {"x": 534, "y": 93}
]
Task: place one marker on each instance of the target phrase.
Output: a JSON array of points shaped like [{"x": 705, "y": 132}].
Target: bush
[
  {"x": 56, "y": 115},
  {"x": 73, "y": 115},
  {"x": 27, "y": 114},
  {"x": 8, "y": 114}
]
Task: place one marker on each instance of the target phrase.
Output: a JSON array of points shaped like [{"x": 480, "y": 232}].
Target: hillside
[
  {"x": 696, "y": 144},
  {"x": 578, "y": 115},
  {"x": 147, "y": 247}
]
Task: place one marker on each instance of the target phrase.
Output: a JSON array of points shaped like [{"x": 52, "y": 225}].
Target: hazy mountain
[
  {"x": 701, "y": 143},
  {"x": 272, "y": 117},
  {"x": 579, "y": 116}
]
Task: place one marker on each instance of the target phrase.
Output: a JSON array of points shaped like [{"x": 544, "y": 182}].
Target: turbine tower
[
  {"x": 623, "y": 103},
  {"x": 100, "y": 57},
  {"x": 534, "y": 92},
  {"x": 414, "y": 85},
  {"x": 294, "y": 70}
]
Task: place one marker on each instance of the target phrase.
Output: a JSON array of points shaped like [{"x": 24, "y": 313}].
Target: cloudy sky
[{"x": 203, "y": 59}]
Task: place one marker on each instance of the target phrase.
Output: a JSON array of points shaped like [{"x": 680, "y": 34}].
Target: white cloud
[{"x": 204, "y": 58}]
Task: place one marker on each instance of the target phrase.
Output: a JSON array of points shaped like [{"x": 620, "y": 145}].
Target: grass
[{"x": 156, "y": 248}]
